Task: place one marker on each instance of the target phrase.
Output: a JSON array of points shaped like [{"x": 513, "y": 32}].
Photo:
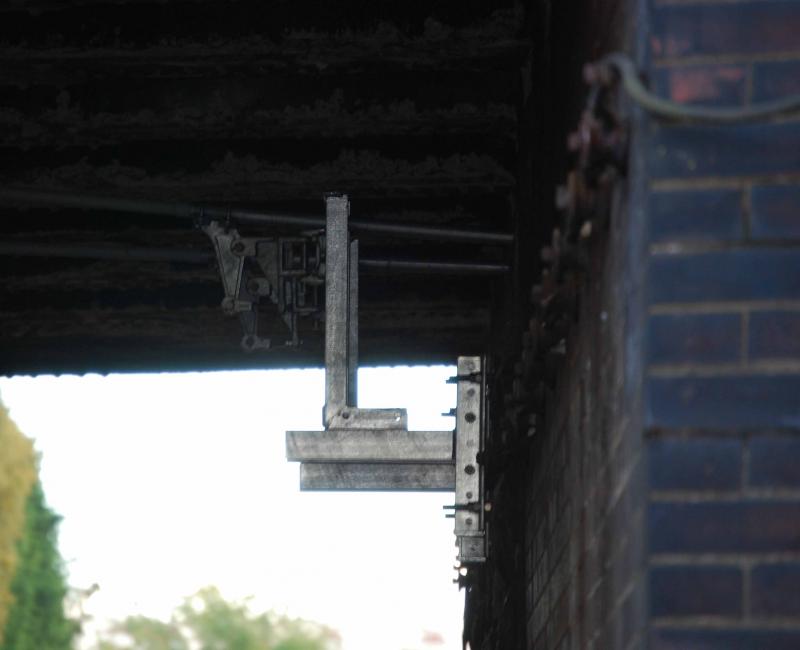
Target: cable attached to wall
[{"x": 619, "y": 66}]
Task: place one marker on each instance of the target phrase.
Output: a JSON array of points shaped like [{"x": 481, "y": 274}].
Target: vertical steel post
[
  {"x": 352, "y": 327},
  {"x": 337, "y": 311}
]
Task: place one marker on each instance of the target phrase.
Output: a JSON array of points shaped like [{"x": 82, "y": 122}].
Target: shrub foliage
[{"x": 17, "y": 476}]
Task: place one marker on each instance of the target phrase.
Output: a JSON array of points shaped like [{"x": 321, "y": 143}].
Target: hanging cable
[{"x": 603, "y": 72}]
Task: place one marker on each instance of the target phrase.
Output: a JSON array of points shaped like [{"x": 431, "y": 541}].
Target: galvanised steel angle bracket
[{"x": 372, "y": 449}]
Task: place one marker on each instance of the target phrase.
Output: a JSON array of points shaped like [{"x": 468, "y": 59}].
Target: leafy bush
[
  {"x": 17, "y": 476},
  {"x": 209, "y": 622},
  {"x": 36, "y": 620}
]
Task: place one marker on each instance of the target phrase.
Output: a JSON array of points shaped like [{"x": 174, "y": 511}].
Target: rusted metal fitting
[{"x": 599, "y": 73}]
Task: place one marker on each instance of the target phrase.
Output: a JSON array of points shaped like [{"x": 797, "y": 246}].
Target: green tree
[
  {"x": 147, "y": 634},
  {"x": 219, "y": 625},
  {"x": 17, "y": 475},
  {"x": 36, "y": 620},
  {"x": 209, "y": 622}
]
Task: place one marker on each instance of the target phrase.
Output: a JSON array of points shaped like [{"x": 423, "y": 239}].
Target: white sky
[{"x": 171, "y": 482}]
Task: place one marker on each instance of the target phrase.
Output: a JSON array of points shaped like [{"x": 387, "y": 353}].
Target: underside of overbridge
[
  {"x": 449, "y": 115},
  {"x": 132, "y": 132}
]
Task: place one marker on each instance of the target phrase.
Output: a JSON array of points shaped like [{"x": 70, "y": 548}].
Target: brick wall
[
  {"x": 584, "y": 547},
  {"x": 645, "y": 457},
  {"x": 723, "y": 333},
  {"x": 563, "y": 462},
  {"x": 566, "y": 471}
]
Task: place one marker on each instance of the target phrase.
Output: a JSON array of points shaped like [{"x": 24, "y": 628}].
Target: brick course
[
  {"x": 696, "y": 591},
  {"x": 718, "y": 28},
  {"x": 699, "y": 338},
  {"x": 775, "y": 79},
  {"x": 774, "y": 590},
  {"x": 775, "y": 462},
  {"x": 775, "y": 211},
  {"x": 723, "y": 402},
  {"x": 695, "y": 464},
  {"x": 724, "y": 639},
  {"x": 695, "y": 215},
  {"x": 735, "y": 275},
  {"x": 689, "y": 526},
  {"x": 774, "y": 334},
  {"x": 724, "y": 85}
]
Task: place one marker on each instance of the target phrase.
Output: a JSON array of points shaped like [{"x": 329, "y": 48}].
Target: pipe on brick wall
[{"x": 601, "y": 72}]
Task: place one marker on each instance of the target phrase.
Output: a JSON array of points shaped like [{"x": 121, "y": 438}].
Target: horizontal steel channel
[
  {"x": 28, "y": 196},
  {"x": 189, "y": 256},
  {"x": 394, "y": 477},
  {"x": 377, "y": 445}
]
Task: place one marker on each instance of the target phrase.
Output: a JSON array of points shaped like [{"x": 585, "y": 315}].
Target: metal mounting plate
[{"x": 469, "y": 501}]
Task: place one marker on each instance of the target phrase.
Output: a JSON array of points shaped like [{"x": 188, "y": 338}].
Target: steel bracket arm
[
  {"x": 372, "y": 449},
  {"x": 341, "y": 329}
]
